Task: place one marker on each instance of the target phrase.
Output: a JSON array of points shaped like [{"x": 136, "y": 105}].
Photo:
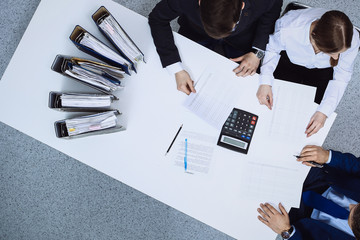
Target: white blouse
[{"x": 292, "y": 34}]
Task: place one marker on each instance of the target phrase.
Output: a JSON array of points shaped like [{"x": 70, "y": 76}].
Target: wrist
[{"x": 286, "y": 234}]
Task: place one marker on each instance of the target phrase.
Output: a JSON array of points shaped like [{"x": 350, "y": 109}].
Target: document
[
  {"x": 91, "y": 42},
  {"x": 85, "y": 100},
  {"x": 291, "y": 113},
  {"x": 95, "y": 122},
  {"x": 120, "y": 38},
  {"x": 215, "y": 98},
  {"x": 200, "y": 150}
]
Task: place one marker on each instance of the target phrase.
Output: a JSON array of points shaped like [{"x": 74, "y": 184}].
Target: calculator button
[
  {"x": 230, "y": 129},
  {"x": 227, "y": 124},
  {"x": 250, "y": 130},
  {"x": 225, "y": 127},
  {"x": 248, "y": 138},
  {"x": 254, "y": 118},
  {"x": 243, "y": 136},
  {"x": 251, "y": 126},
  {"x": 249, "y": 134},
  {"x": 252, "y": 122},
  {"x": 231, "y": 125},
  {"x": 232, "y": 120}
]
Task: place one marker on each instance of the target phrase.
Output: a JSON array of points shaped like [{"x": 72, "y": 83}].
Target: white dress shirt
[{"x": 292, "y": 34}]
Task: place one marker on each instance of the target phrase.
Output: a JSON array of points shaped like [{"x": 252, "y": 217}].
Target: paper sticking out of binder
[
  {"x": 97, "y": 75},
  {"x": 113, "y": 31},
  {"x": 89, "y": 44},
  {"x": 100, "y": 123},
  {"x": 80, "y": 102}
]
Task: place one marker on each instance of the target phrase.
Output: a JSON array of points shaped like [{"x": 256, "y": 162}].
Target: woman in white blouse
[{"x": 315, "y": 47}]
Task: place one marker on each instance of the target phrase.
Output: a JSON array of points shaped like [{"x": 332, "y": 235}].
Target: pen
[
  {"x": 185, "y": 158},
  {"x": 174, "y": 139},
  {"x": 311, "y": 162}
]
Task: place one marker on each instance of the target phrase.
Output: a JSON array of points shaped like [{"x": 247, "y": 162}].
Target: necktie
[{"x": 317, "y": 201}]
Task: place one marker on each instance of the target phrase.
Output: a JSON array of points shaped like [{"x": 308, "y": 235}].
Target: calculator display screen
[{"x": 234, "y": 142}]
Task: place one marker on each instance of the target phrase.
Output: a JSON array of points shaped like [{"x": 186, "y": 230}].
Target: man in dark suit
[
  {"x": 240, "y": 27},
  {"x": 329, "y": 207}
]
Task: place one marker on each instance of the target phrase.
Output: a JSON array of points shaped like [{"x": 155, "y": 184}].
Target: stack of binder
[{"x": 103, "y": 76}]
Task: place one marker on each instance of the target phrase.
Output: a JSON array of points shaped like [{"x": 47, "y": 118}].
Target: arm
[
  {"x": 342, "y": 76},
  {"x": 266, "y": 25},
  {"x": 342, "y": 161},
  {"x": 271, "y": 60},
  {"x": 159, "y": 21},
  {"x": 345, "y": 162}
]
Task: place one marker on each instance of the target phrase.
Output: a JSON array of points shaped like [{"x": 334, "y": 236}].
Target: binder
[
  {"x": 113, "y": 31},
  {"x": 80, "y": 102},
  {"x": 62, "y": 128},
  {"x": 65, "y": 64},
  {"x": 89, "y": 44}
]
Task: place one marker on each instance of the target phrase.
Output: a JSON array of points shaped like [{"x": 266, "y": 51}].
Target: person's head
[
  {"x": 220, "y": 17},
  {"x": 354, "y": 219},
  {"x": 332, "y": 34}
]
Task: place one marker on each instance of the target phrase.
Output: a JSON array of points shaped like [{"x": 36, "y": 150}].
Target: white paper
[
  {"x": 215, "y": 97},
  {"x": 200, "y": 150}
]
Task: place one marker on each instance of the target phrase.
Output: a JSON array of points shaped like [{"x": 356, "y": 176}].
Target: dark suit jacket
[
  {"x": 343, "y": 175},
  {"x": 256, "y": 23}
]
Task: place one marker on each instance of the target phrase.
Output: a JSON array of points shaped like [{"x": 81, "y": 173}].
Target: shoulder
[
  {"x": 182, "y": 6},
  {"x": 299, "y": 18},
  {"x": 263, "y": 5}
]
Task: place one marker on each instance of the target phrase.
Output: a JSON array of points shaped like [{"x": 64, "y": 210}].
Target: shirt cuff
[
  {"x": 266, "y": 80},
  {"x": 325, "y": 109},
  {"x": 329, "y": 159},
  {"x": 293, "y": 232},
  {"x": 174, "y": 68},
  {"x": 258, "y": 49}
]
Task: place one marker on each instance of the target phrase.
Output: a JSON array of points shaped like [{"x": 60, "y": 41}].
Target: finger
[
  {"x": 267, "y": 103},
  {"x": 263, "y": 221},
  {"x": 241, "y": 68},
  {"x": 238, "y": 59},
  {"x": 191, "y": 86},
  {"x": 184, "y": 89},
  {"x": 266, "y": 209},
  {"x": 245, "y": 72},
  {"x": 312, "y": 130},
  {"x": 316, "y": 129},
  {"x": 252, "y": 73},
  {"x": 238, "y": 69},
  {"x": 271, "y": 208},
  {"x": 309, "y": 124},
  {"x": 283, "y": 210},
  {"x": 271, "y": 100},
  {"x": 263, "y": 214}
]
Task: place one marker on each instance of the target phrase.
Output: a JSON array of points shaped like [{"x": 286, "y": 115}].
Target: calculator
[{"x": 238, "y": 130}]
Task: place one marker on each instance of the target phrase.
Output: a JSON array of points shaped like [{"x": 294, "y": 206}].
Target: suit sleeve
[
  {"x": 311, "y": 229},
  {"x": 159, "y": 20},
  {"x": 266, "y": 25},
  {"x": 345, "y": 162}
]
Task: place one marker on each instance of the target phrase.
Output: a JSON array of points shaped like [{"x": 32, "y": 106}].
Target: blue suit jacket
[{"x": 343, "y": 175}]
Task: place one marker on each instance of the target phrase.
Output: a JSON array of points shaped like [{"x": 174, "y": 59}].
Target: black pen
[
  {"x": 311, "y": 162},
  {"x": 174, "y": 139}
]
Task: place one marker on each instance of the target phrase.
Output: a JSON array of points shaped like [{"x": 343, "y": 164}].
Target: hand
[
  {"x": 317, "y": 121},
  {"x": 313, "y": 153},
  {"x": 249, "y": 63},
  {"x": 184, "y": 82},
  {"x": 265, "y": 96},
  {"x": 277, "y": 221}
]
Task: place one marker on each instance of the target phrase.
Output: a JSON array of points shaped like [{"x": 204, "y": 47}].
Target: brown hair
[
  {"x": 219, "y": 16},
  {"x": 355, "y": 225},
  {"x": 333, "y": 32}
]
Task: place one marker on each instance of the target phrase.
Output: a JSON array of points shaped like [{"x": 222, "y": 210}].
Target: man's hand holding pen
[{"x": 315, "y": 154}]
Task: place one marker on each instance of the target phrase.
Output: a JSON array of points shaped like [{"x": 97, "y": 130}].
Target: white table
[{"x": 152, "y": 113}]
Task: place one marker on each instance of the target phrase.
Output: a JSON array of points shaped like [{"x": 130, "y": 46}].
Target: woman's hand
[
  {"x": 317, "y": 121},
  {"x": 265, "y": 96}
]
